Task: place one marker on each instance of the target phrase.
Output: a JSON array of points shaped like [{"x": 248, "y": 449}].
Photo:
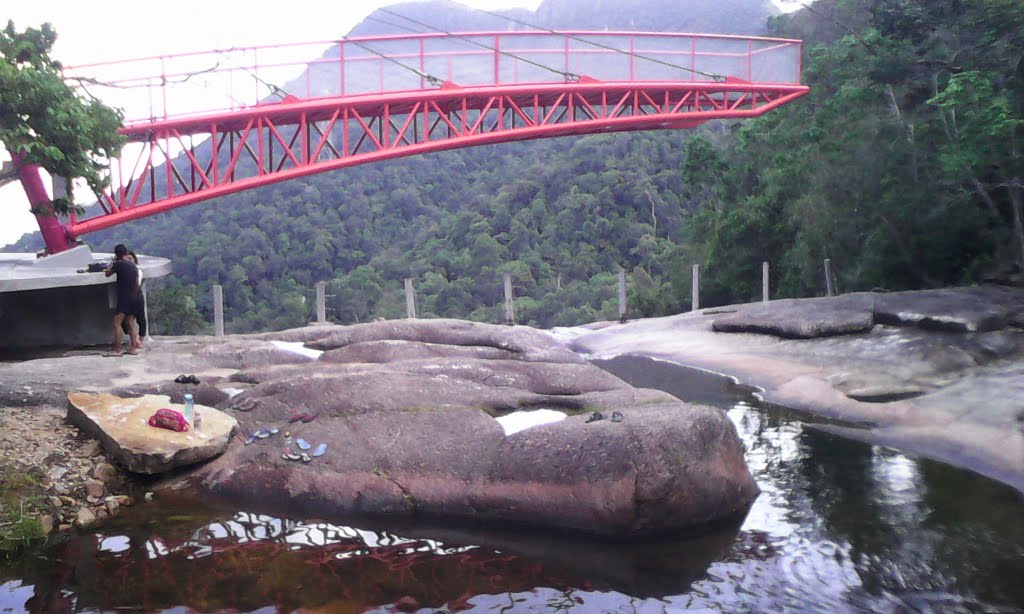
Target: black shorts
[{"x": 128, "y": 305}]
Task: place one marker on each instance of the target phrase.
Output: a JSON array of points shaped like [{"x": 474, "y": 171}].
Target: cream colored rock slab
[{"x": 122, "y": 426}]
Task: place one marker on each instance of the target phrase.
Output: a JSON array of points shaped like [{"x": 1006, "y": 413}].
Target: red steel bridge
[{"x": 207, "y": 124}]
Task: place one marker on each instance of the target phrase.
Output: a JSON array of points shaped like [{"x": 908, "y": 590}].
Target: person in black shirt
[{"x": 128, "y": 297}]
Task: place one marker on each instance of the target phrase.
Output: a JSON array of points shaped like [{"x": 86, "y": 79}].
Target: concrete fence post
[
  {"x": 321, "y": 302},
  {"x": 218, "y": 311},
  {"x": 410, "y": 299},
  {"x": 510, "y": 313},
  {"x": 695, "y": 288},
  {"x": 622, "y": 295},
  {"x": 764, "y": 282},
  {"x": 830, "y": 280}
]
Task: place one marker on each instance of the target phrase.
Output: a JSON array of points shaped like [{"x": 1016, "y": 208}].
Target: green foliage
[
  {"x": 19, "y": 502},
  {"x": 49, "y": 122},
  {"x": 903, "y": 166}
]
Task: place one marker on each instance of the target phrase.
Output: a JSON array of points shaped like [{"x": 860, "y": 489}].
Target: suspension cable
[
  {"x": 430, "y": 78},
  {"x": 714, "y": 76},
  {"x": 569, "y": 76}
]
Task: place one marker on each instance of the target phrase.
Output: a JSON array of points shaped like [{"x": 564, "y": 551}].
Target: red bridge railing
[{"x": 169, "y": 87}]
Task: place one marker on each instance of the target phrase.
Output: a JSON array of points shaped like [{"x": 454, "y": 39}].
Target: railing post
[
  {"x": 218, "y": 311},
  {"x": 410, "y": 299},
  {"x": 622, "y": 295},
  {"x": 764, "y": 282},
  {"x": 830, "y": 282},
  {"x": 510, "y": 313},
  {"x": 321, "y": 302},
  {"x": 695, "y": 288}
]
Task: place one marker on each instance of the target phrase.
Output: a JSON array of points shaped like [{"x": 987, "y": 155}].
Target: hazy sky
[{"x": 116, "y": 29}]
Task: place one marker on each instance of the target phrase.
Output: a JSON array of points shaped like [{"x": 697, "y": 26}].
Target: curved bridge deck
[{"x": 232, "y": 120}]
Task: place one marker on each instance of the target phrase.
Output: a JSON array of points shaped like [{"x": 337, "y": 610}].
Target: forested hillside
[{"x": 902, "y": 166}]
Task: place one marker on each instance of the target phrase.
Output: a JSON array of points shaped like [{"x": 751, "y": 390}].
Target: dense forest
[{"x": 902, "y": 166}]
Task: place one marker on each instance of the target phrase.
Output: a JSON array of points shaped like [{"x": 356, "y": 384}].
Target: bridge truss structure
[{"x": 219, "y": 122}]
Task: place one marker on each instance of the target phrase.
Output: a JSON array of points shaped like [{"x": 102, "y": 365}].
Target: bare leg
[
  {"x": 118, "y": 318},
  {"x": 133, "y": 335}
]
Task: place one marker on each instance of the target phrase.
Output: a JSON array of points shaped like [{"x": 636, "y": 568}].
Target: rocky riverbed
[{"x": 939, "y": 373}]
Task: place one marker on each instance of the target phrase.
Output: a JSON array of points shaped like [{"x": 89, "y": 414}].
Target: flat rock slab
[{"x": 122, "y": 426}]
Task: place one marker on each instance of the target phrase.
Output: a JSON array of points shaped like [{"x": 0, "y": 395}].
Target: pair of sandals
[
  {"x": 594, "y": 417},
  {"x": 261, "y": 434},
  {"x": 302, "y": 444},
  {"x": 186, "y": 379}
]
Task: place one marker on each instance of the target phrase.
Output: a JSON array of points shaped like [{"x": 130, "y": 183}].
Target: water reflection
[{"x": 840, "y": 526}]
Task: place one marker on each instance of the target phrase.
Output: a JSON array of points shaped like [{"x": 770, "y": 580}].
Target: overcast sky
[{"x": 117, "y": 29}]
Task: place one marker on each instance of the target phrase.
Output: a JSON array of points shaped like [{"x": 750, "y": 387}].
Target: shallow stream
[{"x": 840, "y": 526}]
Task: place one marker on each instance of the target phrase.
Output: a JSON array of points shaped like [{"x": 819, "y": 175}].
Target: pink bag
[{"x": 169, "y": 419}]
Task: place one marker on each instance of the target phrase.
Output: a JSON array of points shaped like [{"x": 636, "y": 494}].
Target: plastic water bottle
[{"x": 190, "y": 410}]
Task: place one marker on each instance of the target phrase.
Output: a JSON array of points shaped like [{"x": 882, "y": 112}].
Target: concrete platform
[{"x": 47, "y": 302}]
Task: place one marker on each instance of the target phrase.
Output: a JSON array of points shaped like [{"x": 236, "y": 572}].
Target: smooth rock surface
[
  {"x": 122, "y": 426},
  {"x": 941, "y": 373}
]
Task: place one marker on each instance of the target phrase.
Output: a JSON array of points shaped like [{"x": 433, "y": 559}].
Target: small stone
[
  {"x": 56, "y": 501},
  {"x": 124, "y": 500},
  {"x": 149, "y": 496},
  {"x": 57, "y": 473},
  {"x": 64, "y": 527},
  {"x": 407, "y": 604},
  {"x": 91, "y": 449},
  {"x": 68, "y": 501},
  {"x": 95, "y": 488},
  {"x": 46, "y": 521},
  {"x": 105, "y": 472},
  {"x": 60, "y": 489},
  {"x": 101, "y": 512},
  {"x": 85, "y": 517},
  {"x": 113, "y": 507}
]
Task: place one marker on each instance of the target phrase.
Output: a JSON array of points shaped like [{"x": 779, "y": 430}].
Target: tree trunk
[{"x": 57, "y": 236}]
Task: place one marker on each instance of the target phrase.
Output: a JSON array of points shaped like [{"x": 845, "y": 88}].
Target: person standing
[
  {"x": 128, "y": 297},
  {"x": 140, "y": 313}
]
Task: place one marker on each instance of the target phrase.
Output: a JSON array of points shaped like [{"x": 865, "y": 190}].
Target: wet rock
[
  {"x": 95, "y": 488},
  {"x": 105, "y": 472},
  {"x": 91, "y": 449},
  {"x": 85, "y": 517},
  {"x": 801, "y": 319},
  {"x": 122, "y": 425}
]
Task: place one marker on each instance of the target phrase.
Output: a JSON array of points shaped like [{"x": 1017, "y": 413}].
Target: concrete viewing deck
[{"x": 46, "y": 301}]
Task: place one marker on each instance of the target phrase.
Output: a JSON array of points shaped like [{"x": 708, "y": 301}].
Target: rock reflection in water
[
  {"x": 853, "y": 527},
  {"x": 840, "y": 526}
]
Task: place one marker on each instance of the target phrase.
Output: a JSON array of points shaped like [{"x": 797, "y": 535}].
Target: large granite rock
[
  {"x": 414, "y": 433},
  {"x": 122, "y": 426}
]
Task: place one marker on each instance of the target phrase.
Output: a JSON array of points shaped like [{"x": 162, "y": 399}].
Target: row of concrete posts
[{"x": 510, "y": 313}]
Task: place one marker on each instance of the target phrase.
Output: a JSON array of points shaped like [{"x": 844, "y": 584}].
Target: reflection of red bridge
[{"x": 378, "y": 98}]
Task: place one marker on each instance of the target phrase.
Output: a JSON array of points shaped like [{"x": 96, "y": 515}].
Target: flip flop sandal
[
  {"x": 616, "y": 416},
  {"x": 291, "y": 457},
  {"x": 273, "y": 430},
  {"x": 262, "y": 434},
  {"x": 594, "y": 417},
  {"x": 307, "y": 418},
  {"x": 303, "y": 444},
  {"x": 319, "y": 451},
  {"x": 192, "y": 379},
  {"x": 250, "y": 439},
  {"x": 181, "y": 379},
  {"x": 305, "y": 458}
]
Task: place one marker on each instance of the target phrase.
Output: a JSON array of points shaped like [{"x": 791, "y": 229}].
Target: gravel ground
[{"x": 79, "y": 485}]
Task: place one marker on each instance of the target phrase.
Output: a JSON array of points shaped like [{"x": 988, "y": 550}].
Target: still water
[{"x": 840, "y": 526}]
